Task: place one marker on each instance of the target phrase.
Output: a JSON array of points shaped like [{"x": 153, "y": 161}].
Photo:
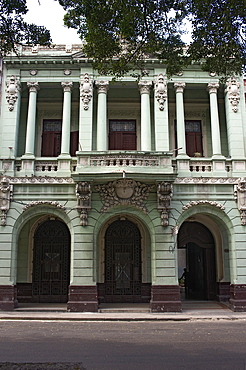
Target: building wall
[{"x": 167, "y": 187}]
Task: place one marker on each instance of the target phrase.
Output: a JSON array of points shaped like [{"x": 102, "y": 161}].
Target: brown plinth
[
  {"x": 237, "y": 301},
  {"x": 165, "y": 298},
  {"x": 8, "y": 297},
  {"x": 24, "y": 292},
  {"x": 223, "y": 291},
  {"x": 82, "y": 298}
]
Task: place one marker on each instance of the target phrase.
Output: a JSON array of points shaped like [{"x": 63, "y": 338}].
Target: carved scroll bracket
[
  {"x": 240, "y": 198},
  {"x": 86, "y": 90},
  {"x": 164, "y": 196},
  {"x": 233, "y": 93},
  {"x": 124, "y": 192},
  {"x": 6, "y": 195},
  {"x": 83, "y": 193},
  {"x": 12, "y": 89},
  {"x": 161, "y": 90}
]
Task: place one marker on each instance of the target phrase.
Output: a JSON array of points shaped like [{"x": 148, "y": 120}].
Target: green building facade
[{"x": 111, "y": 188}]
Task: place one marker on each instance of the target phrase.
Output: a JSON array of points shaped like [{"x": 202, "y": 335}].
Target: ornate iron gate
[
  {"x": 123, "y": 279},
  {"x": 51, "y": 261}
]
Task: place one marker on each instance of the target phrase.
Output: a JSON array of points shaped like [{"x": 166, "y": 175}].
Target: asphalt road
[{"x": 127, "y": 345}]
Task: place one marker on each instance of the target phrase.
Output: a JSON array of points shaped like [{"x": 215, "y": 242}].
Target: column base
[
  {"x": 237, "y": 301},
  {"x": 223, "y": 291},
  {"x": 82, "y": 298},
  {"x": 165, "y": 298},
  {"x": 8, "y": 297}
]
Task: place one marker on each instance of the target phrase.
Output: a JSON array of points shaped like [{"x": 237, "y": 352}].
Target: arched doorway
[
  {"x": 51, "y": 262},
  {"x": 123, "y": 275},
  {"x": 197, "y": 254}
]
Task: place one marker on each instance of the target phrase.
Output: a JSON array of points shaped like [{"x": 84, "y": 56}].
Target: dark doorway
[
  {"x": 196, "y": 244},
  {"x": 123, "y": 277},
  {"x": 122, "y": 135},
  {"x": 51, "y": 262}
]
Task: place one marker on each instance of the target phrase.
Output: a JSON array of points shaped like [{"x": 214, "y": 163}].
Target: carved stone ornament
[
  {"x": 44, "y": 203},
  {"x": 86, "y": 90},
  {"x": 144, "y": 87},
  {"x": 67, "y": 86},
  {"x": 124, "y": 192},
  {"x": 240, "y": 198},
  {"x": 13, "y": 87},
  {"x": 164, "y": 195},
  {"x": 203, "y": 202},
  {"x": 33, "y": 72},
  {"x": 102, "y": 87},
  {"x": 179, "y": 87},
  {"x": 233, "y": 93},
  {"x": 213, "y": 87},
  {"x": 161, "y": 91},
  {"x": 6, "y": 194},
  {"x": 33, "y": 86},
  {"x": 83, "y": 193}
]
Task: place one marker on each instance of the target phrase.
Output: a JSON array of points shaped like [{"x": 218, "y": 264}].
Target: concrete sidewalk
[{"x": 192, "y": 311}]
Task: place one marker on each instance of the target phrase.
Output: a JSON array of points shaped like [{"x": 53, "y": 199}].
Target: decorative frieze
[
  {"x": 6, "y": 194},
  {"x": 44, "y": 203},
  {"x": 41, "y": 180},
  {"x": 233, "y": 92},
  {"x": 13, "y": 87},
  {"x": 83, "y": 193},
  {"x": 203, "y": 202},
  {"x": 161, "y": 90},
  {"x": 86, "y": 90},
  {"x": 124, "y": 192},
  {"x": 205, "y": 180},
  {"x": 164, "y": 195},
  {"x": 240, "y": 198}
]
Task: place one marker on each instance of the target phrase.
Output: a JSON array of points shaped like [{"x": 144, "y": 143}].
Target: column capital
[
  {"x": 179, "y": 87},
  {"x": 67, "y": 86},
  {"x": 102, "y": 86},
  {"x": 213, "y": 87},
  {"x": 144, "y": 87},
  {"x": 33, "y": 86}
]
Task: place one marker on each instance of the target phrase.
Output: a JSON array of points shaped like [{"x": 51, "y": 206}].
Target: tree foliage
[
  {"x": 119, "y": 34},
  {"x": 15, "y": 31}
]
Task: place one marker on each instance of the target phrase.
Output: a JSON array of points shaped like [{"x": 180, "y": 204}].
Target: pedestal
[
  {"x": 237, "y": 301},
  {"x": 8, "y": 297},
  {"x": 82, "y": 298},
  {"x": 165, "y": 298}
]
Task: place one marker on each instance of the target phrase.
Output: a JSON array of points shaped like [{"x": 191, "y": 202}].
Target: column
[
  {"x": 66, "y": 119},
  {"x": 214, "y": 117},
  {"x": 179, "y": 87},
  {"x": 144, "y": 88},
  {"x": 102, "y": 137},
  {"x": 31, "y": 119}
]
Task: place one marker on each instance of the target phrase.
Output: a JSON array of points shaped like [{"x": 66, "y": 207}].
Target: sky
[{"x": 50, "y": 14}]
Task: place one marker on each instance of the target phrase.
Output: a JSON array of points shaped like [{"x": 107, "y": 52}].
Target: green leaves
[
  {"x": 14, "y": 31},
  {"x": 119, "y": 33}
]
